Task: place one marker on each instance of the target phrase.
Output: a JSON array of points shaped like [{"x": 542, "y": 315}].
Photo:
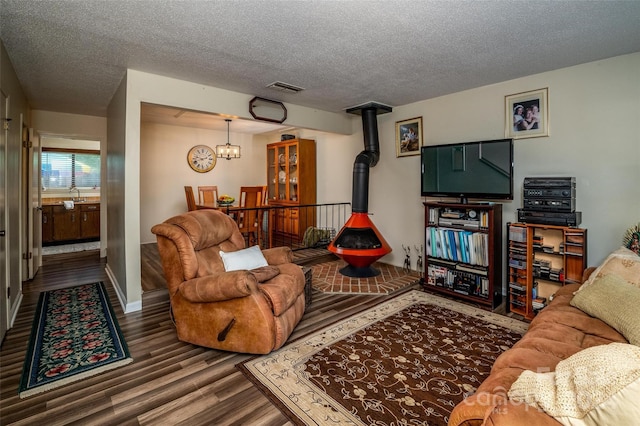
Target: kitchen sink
[{"x": 78, "y": 202}]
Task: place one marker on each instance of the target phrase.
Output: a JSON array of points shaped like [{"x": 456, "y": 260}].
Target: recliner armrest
[
  {"x": 278, "y": 255},
  {"x": 219, "y": 287}
]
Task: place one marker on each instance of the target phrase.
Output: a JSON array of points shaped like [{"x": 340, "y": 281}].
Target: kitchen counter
[{"x": 58, "y": 201}]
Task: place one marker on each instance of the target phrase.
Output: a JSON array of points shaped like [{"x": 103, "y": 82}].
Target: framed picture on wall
[
  {"x": 527, "y": 114},
  {"x": 408, "y": 137}
]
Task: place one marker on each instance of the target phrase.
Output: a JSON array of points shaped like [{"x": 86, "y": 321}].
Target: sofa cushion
[
  {"x": 614, "y": 301},
  {"x": 249, "y": 258},
  {"x": 623, "y": 263},
  {"x": 596, "y": 386},
  {"x": 558, "y": 332}
]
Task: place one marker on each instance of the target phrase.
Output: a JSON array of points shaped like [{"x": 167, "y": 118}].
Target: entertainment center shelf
[
  {"x": 540, "y": 259},
  {"x": 463, "y": 251}
]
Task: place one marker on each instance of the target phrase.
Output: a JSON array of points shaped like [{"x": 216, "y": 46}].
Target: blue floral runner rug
[
  {"x": 406, "y": 361},
  {"x": 75, "y": 335}
]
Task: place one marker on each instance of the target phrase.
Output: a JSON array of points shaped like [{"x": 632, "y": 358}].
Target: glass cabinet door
[
  {"x": 282, "y": 173},
  {"x": 292, "y": 194},
  {"x": 271, "y": 173}
]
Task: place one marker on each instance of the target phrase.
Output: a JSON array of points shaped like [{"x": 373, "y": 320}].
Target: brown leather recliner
[{"x": 230, "y": 311}]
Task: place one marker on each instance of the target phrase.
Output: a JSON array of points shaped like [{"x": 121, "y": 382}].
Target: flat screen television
[{"x": 481, "y": 170}]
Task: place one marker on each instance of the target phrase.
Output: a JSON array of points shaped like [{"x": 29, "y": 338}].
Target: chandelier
[{"x": 228, "y": 151}]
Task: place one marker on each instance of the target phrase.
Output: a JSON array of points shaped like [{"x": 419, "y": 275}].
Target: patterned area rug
[
  {"x": 328, "y": 279},
  {"x": 407, "y": 361},
  {"x": 75, "y": 335}
]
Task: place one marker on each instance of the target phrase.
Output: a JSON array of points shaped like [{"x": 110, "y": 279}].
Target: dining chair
[
  {"x": 207, "y": 194},
  {"x": 250, "y": 221},
  {"x": 191, "y": 199}
]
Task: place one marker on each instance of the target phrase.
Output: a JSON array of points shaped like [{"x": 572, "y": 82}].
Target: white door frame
[
  {"x": 4, "y": 254},
  {"x": 34, "y": 210}
]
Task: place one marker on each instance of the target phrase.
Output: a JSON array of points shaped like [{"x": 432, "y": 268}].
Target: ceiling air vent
[{"x": 284, "y": 87}]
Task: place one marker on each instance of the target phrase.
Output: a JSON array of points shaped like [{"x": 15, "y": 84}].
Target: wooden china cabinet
[{"x": 291, "y": 178}]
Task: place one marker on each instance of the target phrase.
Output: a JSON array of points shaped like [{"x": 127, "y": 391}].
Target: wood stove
[{"x": 359, "y": 243}]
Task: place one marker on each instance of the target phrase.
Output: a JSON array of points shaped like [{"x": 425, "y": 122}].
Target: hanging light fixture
[{"x": 228, "y": 151}]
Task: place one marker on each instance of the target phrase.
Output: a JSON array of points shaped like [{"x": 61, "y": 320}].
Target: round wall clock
[{"x": 201, "y": 158}]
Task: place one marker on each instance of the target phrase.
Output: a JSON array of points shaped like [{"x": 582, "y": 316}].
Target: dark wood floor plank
[
  {"x": 179, "y": 409},
  {"x": 169, "y": 382}
]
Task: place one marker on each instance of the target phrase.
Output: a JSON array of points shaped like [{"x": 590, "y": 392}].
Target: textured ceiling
[{"x": 71, "y": 55}]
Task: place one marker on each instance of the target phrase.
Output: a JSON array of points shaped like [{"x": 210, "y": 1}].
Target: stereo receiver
[
  {"x": 549, "y": 182},
  {"x": 568, "y": 192},
  {"x": 556, "y": 204},
  {"x": 550, "y": 218}
]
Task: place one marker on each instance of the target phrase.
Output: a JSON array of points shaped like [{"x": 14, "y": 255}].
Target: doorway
[{"x": 69, "y": 183}]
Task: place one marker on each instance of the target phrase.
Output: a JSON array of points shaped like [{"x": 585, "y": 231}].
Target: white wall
[
  {"x": 138, "y": 87},
  {"x": 335, "y": 155},
  {"x": 70, "y": 125},
  {"x": 164, "y": 170},
  {"x": 593, "y": 107},
  {"x": 603, "y": 153},
  {"x": 162, "y": 186},
  {"x": 594, "y": 111},
  {"x": 120, "y": 245},
  {"x": 18, "y": 111}
]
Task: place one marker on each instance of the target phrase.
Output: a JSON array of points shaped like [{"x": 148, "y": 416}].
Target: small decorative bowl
[{"x": 225, "y": 203}]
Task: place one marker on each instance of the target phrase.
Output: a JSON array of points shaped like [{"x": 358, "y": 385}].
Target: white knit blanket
[{"x": 584, "y": 382}]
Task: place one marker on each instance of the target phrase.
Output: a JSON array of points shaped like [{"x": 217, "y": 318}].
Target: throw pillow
[
  {"x": 596, "y": 386},
  {"x": 249, "y": 258},
  {"x": 623, "y": 263},
  {"x": 614, "y": 301}
]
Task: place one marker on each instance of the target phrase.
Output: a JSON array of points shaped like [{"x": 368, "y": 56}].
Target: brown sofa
[
  {"x": 557, "y": 332},
  {"x": 251, "y": 311}
]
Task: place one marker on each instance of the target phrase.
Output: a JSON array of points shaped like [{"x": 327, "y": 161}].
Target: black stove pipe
[{"x": 365, "y": 160}]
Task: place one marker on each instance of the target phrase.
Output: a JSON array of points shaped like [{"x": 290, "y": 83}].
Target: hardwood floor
[
  {"x": 169, "y": 382},
  {"x": 151, "y": 267}
]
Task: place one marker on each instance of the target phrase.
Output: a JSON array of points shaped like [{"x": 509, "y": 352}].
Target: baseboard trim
[
  {"x": 126, "y": 307},
  {"x": 14, "y": 310}
]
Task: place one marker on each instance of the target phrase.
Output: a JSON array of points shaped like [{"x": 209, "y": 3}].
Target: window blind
[{"x": 64, "y": 169}]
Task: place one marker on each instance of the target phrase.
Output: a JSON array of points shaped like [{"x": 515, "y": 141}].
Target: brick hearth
[{"x": 328, "y": 279}]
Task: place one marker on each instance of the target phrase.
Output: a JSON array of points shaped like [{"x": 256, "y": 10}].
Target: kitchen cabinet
[
  {"x": 47, "y": 224},
  {"x": 59, "y": 224},
  {"x": 89, "y": 221},
  {"x": 66, "y": 224}
]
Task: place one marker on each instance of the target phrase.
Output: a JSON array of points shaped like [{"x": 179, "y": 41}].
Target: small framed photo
[
  {"x": 408, "y": 137},
  {"x": 527, "y": 114}
]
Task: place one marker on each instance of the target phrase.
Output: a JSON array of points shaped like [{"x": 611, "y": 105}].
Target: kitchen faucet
[{"x": 75, "y": 188}]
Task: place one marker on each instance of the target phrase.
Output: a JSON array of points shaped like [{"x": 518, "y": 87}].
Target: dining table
[
  {"x": 216, "y": 206},
  {"x": 230, "y": 210}
]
